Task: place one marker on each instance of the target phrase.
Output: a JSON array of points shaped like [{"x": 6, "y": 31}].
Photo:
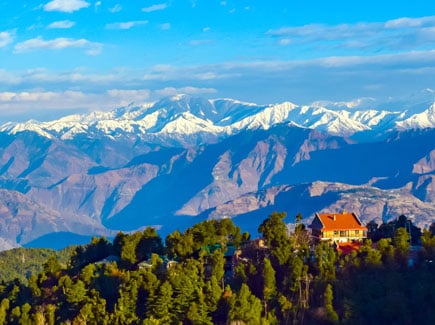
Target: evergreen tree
[
  {"x": 51, "y": 314},
  {"x": 369, "y": 256},
  {"x": 274, "y": 230},
  {"x": 4, "y": 307},
  {"x": 127, "y": 246},
  {"x": 52, "y": 266},
  {"x": 402, "y": 245},
  {"x": 325, "y": 258},
  {"x": 162, "y": 304},
  {"x": 178, "y": 245},
  {"x": 269, "y": 290},
  {"x": 331, "y": 314},
  {"x": 217, "y": 266},
  {"x": 33, "y": 286},
  {"x": 212, "y": 294},
  {"x": 88, "y": 273},
  {"x": 245, "y": 307},
  {"x": 76, "y": 293},
  {"x": 15, "y": 315},
  {"x": 428, "y": 243},
  {"x": 149, "y": 243},
  {"x": 197, "y": 313},
  {"x": 387, "y": 251},
  {"x": 125, "y": 309},
  {"x": 185, "y": 288}
]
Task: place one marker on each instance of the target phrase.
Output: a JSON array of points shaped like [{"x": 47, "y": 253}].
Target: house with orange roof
[{"x": 338, "y": 227}]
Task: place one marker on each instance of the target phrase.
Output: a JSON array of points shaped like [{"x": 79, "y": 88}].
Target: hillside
[
  {"x": 95, "y": 174},
  {"x": 211, "y": 273}
]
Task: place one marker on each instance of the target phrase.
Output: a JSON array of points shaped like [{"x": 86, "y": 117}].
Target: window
[
  {"x": 356, "y": 232},
  {"x": 335, "y": 232},
  {"x": 343, "y": 233}
]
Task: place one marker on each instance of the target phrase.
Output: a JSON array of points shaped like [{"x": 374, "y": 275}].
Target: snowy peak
[
  {"x": 186, "y": 120},
  {"x": 425, "y": 119}
]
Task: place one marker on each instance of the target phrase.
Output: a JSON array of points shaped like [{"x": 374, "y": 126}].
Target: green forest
[{"x": 213, "y": 274}]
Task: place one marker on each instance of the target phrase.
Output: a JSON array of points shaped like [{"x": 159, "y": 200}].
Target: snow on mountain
[
  {"x": 195, "y": 120},
  {"x": 425, "y": 119}
]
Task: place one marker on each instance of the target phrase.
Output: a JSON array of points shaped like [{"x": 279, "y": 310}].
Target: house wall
[{"x": 343, "y": 235}]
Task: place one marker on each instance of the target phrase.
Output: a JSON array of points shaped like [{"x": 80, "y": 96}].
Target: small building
[{"x": 338, "y": 227}]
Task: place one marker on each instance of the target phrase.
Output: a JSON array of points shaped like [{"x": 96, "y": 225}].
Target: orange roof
[{"x": 340, "y": 221}]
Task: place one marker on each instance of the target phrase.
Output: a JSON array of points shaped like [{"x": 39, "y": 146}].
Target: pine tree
[
  {"x": 197, "y": 313},
  {"x": 125, "y": 308},
  {"x": 269, "y": 290},
  {"x": 4, "y": 307},
  {"x": 51, "y": 314},
  {"x": 15, "y": 315},
  {"x": 244, "y": 306},
  {"x": 213, "y": 293},
  {"x": 386, "y": 250},
  {"x": 217, "y": 265},
  {"x": 331, "y": 314},
  {"x": 274, "y": 230},
  {"x": 402, "y": 244},
  {"x": 162, "y": 304},
  {"x": 76, "y": 293},
  {"x": 325, "y": 261},
  {"x": 149, "y": 243}
]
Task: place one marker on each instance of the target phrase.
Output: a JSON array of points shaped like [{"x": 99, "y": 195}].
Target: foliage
[
  {"x": 20, "y": 263},
  {"x": 193, "y": 279}
]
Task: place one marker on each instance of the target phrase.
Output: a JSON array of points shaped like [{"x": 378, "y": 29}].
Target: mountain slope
[{"x": 171, "y": 163}]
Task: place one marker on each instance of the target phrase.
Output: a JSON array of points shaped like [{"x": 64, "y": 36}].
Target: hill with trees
[{"x": 213, "y": 274}]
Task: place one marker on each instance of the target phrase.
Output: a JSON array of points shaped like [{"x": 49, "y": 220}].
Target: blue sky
[{"x": 64, "y": 56}]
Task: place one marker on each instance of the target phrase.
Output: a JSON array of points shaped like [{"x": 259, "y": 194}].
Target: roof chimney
[{"x": 334, "y": 217}]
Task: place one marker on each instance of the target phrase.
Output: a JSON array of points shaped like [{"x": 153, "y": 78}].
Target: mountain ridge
[
  {"x": 185, "y": 121},
  {"x": 97, "y": 182}
]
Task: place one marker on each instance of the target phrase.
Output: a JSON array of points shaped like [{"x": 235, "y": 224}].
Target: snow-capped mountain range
[
  {"x": 184, "y": 120},
  {"x": 180, "y": 160}
]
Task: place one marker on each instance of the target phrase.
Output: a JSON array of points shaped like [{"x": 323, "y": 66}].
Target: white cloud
[
  {"x": 285, "y": 41},
  {"x": 125, "y": 97},
  {"x": 66, "y": 5},
  {"x": 5, "y": 38},
  {"x": 397, "y": 34},
  {"x": 315, "y": 32},
  {"x": 265, "y": 82},
  {"x": 126, "y": 25},
  {"x": 41, "y": 77},
  {"x": 26, "y": 96},
  {"x": 171, "y": 91},
  {"x": 62, "y": 24},
  {"x": 58, "y": 44},
  {"x": 155, "y": 7},
  {"x": 165, "y": 26},
  {"x": 194, "y": 73},
  {"x": 115, "y": 8},
  {"x": 406, "y": 22},
  {"x": 30, "y": 104}
]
